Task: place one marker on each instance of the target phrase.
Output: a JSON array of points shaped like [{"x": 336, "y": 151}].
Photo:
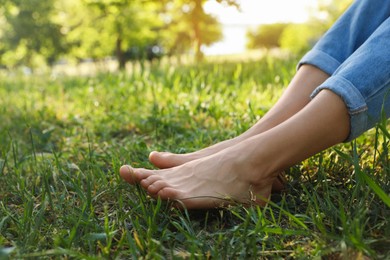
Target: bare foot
[
  {"x": 164, "y": 160},
  {"x": 245, "y": 172},
  {"x": 217, "y": 180}
]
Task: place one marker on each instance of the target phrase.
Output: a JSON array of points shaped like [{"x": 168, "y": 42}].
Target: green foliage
[
  {"x": 30, "y": 34},
  {"x": 36, "y": 32},
  {"x": 62, "y": 141},
  {"x": 189, "y": 26},
  {"x": 330, "y": 11},
  {"x": 99, "y": 29},
  {"x": 298, "y": 38},
  {"x": 266, "y": 36},
  {"x": 83, "y": 30}
]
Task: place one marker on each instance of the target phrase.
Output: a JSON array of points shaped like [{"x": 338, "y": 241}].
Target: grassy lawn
[{"x": 63, "y": 139}]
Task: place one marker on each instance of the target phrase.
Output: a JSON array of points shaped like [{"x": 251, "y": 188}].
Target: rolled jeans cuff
[
  {"x": 321, "y": 60},
  {"x": 354, "y": 101}
]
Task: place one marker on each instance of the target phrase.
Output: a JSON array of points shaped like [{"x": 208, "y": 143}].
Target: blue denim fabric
[{"x": 355, "y": 52}]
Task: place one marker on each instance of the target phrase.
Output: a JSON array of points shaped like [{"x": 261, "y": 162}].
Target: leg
[
  {"x": 353, "y": 28},
  {"x": 245, "y": 172},
  {"x": 296, "y": 96},
  {"x": 363, "y": 81}
]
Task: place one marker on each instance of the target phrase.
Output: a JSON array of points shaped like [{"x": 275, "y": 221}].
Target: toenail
[{"x": 129, "y": 169}]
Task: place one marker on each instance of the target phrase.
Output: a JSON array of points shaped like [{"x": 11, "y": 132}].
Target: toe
[
  {"x": 127, "y": 173},
  {"x": 153, "y": 155},
  {"x": 145, "y": 183},
  {"x": 156, "y": 186},
  {"x": 134, "y": 175},
  {"x": 160, "y": 159}
]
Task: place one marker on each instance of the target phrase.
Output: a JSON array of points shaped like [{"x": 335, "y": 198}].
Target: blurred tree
[
  {"x": 201, "y": 22},
  {"x": 44, "y": 31},
  {"x": 29, "y": 34},
  {"x": 328, "y": 11},
  {"x": 188, "y": 24},
  {"x": 298, "y": 37},
  {"x": 266, "y": 35},
  {"x": 114, "y": 26},
  {"x": 3, "y": 27},
  {"x": 84, "y": 30}
]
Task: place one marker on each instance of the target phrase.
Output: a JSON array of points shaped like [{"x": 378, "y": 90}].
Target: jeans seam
[{"x": 358, "y": 111}]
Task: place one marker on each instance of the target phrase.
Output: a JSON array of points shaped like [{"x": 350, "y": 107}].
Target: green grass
[{"x": 62, "y": 141}]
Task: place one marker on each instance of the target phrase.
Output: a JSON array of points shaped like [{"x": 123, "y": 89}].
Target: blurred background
[{"x": 41, "y": 35}]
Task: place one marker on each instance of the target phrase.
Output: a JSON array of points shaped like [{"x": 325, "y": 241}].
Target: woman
[{"x": 339, "y": 91}]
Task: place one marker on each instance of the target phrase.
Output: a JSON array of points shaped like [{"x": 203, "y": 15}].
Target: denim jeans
[{"x": 355, "y": 52}]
